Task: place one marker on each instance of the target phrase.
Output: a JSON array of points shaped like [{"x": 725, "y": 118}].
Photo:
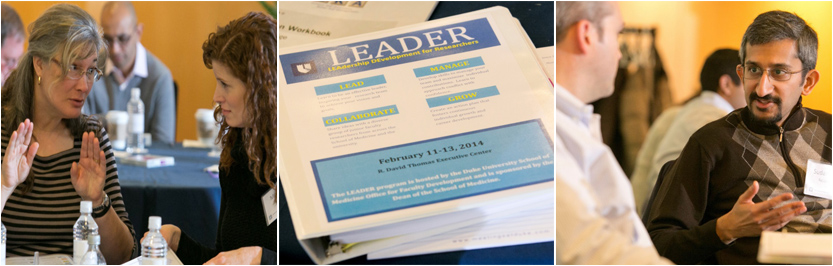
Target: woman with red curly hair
[{"x": 243, "y": 56}]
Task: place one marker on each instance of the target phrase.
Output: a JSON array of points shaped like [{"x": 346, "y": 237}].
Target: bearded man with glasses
[
  {"x": 129, "y": 66},
  {"x": 745, "y": 173}
]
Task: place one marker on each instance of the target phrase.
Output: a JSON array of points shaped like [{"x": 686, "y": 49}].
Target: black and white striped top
[{"x": 42, "y": 219}]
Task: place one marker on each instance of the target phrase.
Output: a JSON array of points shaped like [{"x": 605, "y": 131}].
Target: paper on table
[
  {"x": 303, "y": 22},
  {"x": 795, "y": 248},
  {"x": 548, "y": 59},
  {"x": 470, "y": 96},
  {"x": 529, "y": 226},
  {"x": 54, "y": 259},
  {"x": 172, "y": 259},
  {"x": 213, "y": 170},
  {"x": 497, "y": 211},
  {"x": 190, "y": 143},
  {"x": 817, "y": 181}
]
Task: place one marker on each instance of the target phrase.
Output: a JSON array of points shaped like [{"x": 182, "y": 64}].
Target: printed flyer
[{"x": 409, "y": 120}]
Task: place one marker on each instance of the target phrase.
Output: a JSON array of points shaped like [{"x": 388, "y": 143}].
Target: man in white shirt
[
  {"x": 596, "y": 222},
  {"x": 129, "y": 66},
  {"x": 721, "y": 93}
]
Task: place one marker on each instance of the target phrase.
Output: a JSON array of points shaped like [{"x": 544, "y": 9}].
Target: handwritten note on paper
[{"x": 818, "y": 179}]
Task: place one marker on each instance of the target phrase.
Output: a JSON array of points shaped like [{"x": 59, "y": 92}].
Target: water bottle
[
  {"x": 154, "y": 247},
  {"x": 136, "y": 122},
  {"x": 83, "y": 228},
  {"x": 93, "y": 255},
  {"x": 3, "y": 245}
]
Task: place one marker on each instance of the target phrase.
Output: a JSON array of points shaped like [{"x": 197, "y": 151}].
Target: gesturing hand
[
  {"x": 88, "y": 175},
  {"x": 749, "y": 219},
  {"x": 19, "y": 156}
]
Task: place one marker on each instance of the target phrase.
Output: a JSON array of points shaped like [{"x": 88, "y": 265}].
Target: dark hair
[
  {"x": 721, "y": 62},
  {"x": 779, "y": 25},
  {"x": 568, "y": 13},
  {"x": 248, "y": 47},
  {"x": 11, "y": 23}
]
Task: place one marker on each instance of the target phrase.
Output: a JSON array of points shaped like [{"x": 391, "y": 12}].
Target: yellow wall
[
  {"x": 174, "y": 32},
  {"x": 689, "y": 31}
]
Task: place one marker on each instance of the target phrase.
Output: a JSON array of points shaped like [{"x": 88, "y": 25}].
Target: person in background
[
  {"x": 129, "y": 66},
  {"x": 596, "y": 221},
  {"x": 721, "y": 93},
  {"x": 53, "y": 156},
  {"x": 243, "y": 55},
  {"x": 12, "y": 40},
  {"x": 641, "y": 176},
  {"x": 745, "y": 173}
]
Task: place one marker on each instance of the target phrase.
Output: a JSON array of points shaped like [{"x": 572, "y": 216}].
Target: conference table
[{"x": 183, "y": 195}]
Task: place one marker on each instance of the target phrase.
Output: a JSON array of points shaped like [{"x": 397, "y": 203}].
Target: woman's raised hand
[
  {"x": 88, "y": 175},
  {"x": 19, "y": 156}
]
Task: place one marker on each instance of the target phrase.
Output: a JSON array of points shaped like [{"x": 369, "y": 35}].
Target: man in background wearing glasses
[
  {"x": 129, "y": 66},
  {"x": 745, "y": 173},
  {"x": 721, "y": 93}
]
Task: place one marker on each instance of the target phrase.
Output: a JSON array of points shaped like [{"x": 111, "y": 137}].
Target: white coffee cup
[
  {"x": 207, "y": 128},
  {"x": 117, "y": 129}
]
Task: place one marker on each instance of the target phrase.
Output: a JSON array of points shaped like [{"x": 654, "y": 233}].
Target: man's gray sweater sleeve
[{"x": 163, "y": 120}]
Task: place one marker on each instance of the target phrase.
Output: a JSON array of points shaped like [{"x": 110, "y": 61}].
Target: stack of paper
[
  {"x": 533, "y": 224},
  {"x": 795, "y": 248},
  {"x": 442, "y": 128}
]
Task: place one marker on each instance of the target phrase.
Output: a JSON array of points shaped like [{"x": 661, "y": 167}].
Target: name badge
[
  {"x": 270, "y": 206},
  {"x": 817, "y": 180}
]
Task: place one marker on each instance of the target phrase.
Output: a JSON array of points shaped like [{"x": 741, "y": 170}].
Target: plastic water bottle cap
[
  {"x": 155, "y": 222},
  {"x": 136, "y": 92},
  {"x": 94, "y": 239},
  {"x": 86, "y": 207}
]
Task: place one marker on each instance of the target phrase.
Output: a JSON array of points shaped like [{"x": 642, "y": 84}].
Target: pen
[{"x": 35, "y": 262}]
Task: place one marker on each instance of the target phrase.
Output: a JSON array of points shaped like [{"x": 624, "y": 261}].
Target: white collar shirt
[
  {"x": 140, "y": 67},
  {"x": 596, "y": 222}
]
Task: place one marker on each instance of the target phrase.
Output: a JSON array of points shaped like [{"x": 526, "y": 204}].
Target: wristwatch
[{"x": 102, "y": 209}]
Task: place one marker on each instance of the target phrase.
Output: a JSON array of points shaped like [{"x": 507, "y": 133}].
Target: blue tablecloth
[{"x": 183, "y": 195}]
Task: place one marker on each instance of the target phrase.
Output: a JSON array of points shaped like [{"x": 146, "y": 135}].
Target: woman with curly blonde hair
[{"x": 244, "y": 59}]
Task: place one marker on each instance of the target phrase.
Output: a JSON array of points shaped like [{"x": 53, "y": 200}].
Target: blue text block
[
  {"x": 462, "y": 96},
  {"x": 350, "y": 85},
  {"x": 449, "y": 66},
  {"x": 435, "y": 170},
  {"x": 360, "y": 115}
]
